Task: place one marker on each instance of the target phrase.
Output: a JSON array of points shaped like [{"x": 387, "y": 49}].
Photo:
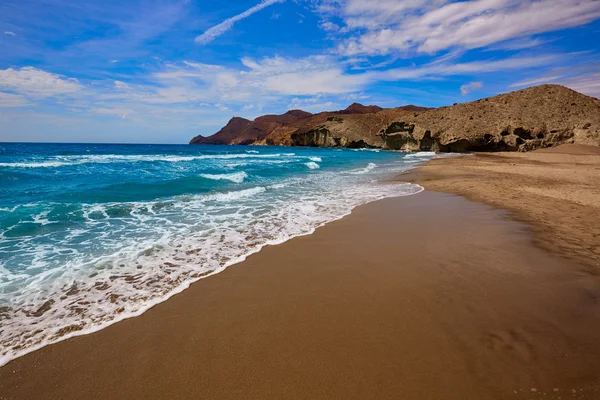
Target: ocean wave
[
  {"x": 47, "y": 164},
  {"x": 62, "y": 161},
  {"x": 234, "y": 195},
  {"x": 420, "y": 154},
  {"x": 236, "y": 177},
  {"x": 315, "y": 159},
  {"x": 312, "y": 165},
  {"x": 369, "y": 167}
]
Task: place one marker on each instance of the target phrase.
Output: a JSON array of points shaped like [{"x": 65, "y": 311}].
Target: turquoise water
[{"x": 91, "y": 234}]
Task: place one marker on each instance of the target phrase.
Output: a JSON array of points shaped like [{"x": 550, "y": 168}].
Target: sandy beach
[
  {"x": 555, "y": 190},
  {"x": 429, "y": 296}
]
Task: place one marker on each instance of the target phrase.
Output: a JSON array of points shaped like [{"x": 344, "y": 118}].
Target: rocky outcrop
[
  {"x": 242, "y": 131},
  {"x": 537, "y": 117},
  {"x": 524, "y": 120},
  {"x": 229, "y": 134}
]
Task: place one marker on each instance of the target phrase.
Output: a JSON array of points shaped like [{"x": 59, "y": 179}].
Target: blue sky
[{"x": 160, "y": 71}]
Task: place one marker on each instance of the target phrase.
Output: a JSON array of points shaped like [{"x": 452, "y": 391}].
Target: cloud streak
[
  {"x": 212, "y": 33},
  {"x": 423, "y": 26}
]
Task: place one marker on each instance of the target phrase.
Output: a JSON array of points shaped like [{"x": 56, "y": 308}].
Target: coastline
[
  {"x": 424, "y": 296},
  {"x": 173, "y": 268},
  {"x": 179, "y": 289}
]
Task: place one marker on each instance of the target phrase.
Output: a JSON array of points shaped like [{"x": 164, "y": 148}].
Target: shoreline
[
  {"x": 385, "y": 292},
  {"x": 7, "y": 359}
]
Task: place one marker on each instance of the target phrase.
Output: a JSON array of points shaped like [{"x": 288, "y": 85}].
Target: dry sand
[{"x": 423, "y": 297}]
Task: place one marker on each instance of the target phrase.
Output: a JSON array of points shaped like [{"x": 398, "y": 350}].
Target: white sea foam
[
  {"x": 252, "y": 151},
  {"x": 48, "y": 164},
  {"x": 312, "y": 165},
  {"x": 421, "y": 154},
  {"x": 237, "y": 177},
  {"x": 235, "y": 195},
  {"x": 62, "y": 161},
  {"x": 315, "y": 159},
  {"x": 369, "y": 167}
]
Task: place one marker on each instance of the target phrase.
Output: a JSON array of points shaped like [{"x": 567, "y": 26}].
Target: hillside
[{"x": 536, "y": 117}]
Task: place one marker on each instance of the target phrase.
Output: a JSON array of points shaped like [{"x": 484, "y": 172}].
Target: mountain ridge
[{"x": 527, "y": 119}]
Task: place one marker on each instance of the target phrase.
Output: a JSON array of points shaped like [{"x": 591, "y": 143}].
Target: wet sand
[{"x": 422, "y": 297}]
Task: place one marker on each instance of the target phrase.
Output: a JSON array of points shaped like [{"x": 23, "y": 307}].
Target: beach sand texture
[{"x": 429, "y": 296}]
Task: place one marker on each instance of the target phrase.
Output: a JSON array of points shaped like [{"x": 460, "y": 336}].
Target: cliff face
[{"x": 541, "y": 116}]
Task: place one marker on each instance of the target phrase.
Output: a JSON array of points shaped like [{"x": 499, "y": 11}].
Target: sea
[{"x": 91, "y": 234}]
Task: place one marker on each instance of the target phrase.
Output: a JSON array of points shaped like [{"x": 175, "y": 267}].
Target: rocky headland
[{"x": 528, "y": 119}]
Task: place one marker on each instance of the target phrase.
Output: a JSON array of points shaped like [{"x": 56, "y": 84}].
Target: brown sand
[
  {"x": 556, "y": 191},
  {"x": 422, "y": 297}
]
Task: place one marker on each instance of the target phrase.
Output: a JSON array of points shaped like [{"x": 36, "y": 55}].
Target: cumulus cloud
[
  {"x": 305, "y": 76},
  {"x": 430, "y": 26},
  {"x": 217, "y": 30},
  {"x": 469, "y": 87},
  {"x": 35, "y": 82}
]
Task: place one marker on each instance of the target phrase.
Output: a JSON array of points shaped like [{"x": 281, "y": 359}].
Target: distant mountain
[{"x": 540, "y": 116}]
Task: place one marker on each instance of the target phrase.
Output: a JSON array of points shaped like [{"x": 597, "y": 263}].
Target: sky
[{"x": 158, "y": 71}]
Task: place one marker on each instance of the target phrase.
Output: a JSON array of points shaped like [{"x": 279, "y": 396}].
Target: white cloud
[
  {"x": 12, "y": 100},
  {"x": 222, "y": 107},
  {"x": 306, "y": 76},
  {"x": 469, "y": 87},
  {"x": 37, "y": 83},
  {"x": 217, "y": 30},
  {"x": 329, "y": 26},
  {"x": 307, "y": 83},
  {"x": 444, "y": 68},
  {"x": 429, "y": 26},
  {"x": 586, "y": 83},
  {"x": 9, "y": 33},
  {"x": 537, "y": 81},
  {"x": 121, "y": 85},
  {"x": 519, "y": 44},
  {"x": 248, "y": 107}
]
